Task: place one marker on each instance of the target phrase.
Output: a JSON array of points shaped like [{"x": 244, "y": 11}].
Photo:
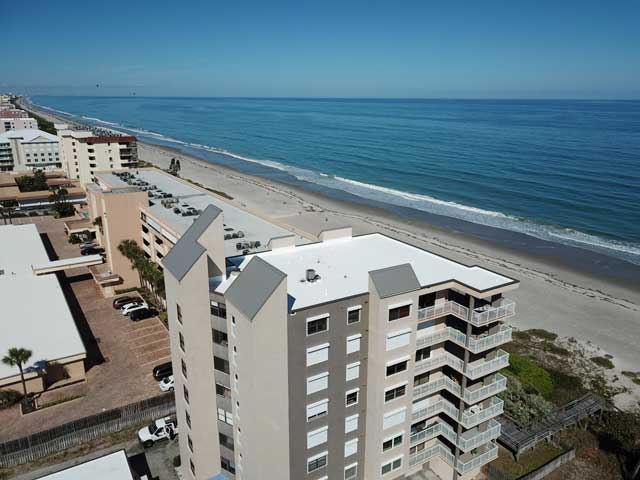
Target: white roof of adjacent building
[
  {"x": 28, "y": 135},
  {"x": 35, "y": 314},
  {"x": 109, "y": 467},
  {"x": 253, "y": 227},
  {"x": 344, "y": 265}
]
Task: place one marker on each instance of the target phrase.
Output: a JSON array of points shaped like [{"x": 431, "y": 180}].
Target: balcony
[
  {"x": 482, "y": 412},
  {"x": 437, "y": 450},
  {"x": 434, "y": 408},
  {"x": 431, "y": 337},
  {"x": 493, "y": 362},
  {"x": 479, "y": 436},
  {"x": 468, "y": 461},
  {"x": 492, "y": 313},
  {"x": 478, "y": 344},
  {"x": 433, "y": 386},
  {"x": 441, "y": 309},
  {"x": 432, "y": 431},
  {"x": 480, "y": 391},
  {"x": 439, "y": 359}
]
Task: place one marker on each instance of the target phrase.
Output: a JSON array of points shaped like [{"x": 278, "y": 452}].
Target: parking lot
[{"x": 120, "y": 353}]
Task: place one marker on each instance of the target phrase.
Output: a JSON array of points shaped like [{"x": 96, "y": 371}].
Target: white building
[
  {"x": 113, "y": 466},
  {"x": 84, "y": 153},
  {"x": 17, "y": 123},
  {"x": 24, "y": 150}
]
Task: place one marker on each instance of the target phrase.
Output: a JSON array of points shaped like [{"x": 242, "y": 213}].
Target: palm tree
[
  {"x": 132, "y": 251},
  {"x": 17, "y": 357}
]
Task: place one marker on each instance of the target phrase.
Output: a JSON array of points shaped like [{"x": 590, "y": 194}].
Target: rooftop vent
[{"x": 311, "y": 275}]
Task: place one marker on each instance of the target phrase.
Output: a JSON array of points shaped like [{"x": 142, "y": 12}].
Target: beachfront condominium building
[
  {"x": 356, "y": 357},
  {"x": 11, "y": 122},
  {"x": 155, "y": 208},
  {"x": 25, "y": 150},
  {"x": 83, "y": 153}
]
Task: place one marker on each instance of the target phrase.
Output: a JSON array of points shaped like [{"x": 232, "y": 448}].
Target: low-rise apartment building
[
  {"x": 155, "y": 209},
  {"x": 38, "y": 199},
  {"x": 10, "y": 122},
  {"x": 83, "y": 153},
  {"x": 26, "y": 150},
  {"x": 352, "y": 358}
]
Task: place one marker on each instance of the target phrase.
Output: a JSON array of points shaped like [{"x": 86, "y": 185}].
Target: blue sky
[{"x": 462, "y": 49}]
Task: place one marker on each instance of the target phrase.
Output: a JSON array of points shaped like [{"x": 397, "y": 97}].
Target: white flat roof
[
  {"x": 28, "y": 135},
  {"x": 344, "y": 265},
  {"x": 109, "y": 467},
  {"x": 253, "y": 227},
  {"x": 35, "y": 314}
]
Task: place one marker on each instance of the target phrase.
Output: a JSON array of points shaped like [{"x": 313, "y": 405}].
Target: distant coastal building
[
  {"x": 44, "y": 326},
  {"x": 350, "y": 358},
  {"x": 13, "y": 120},
  {"x": 25, "y": 150},
  {"x": 155, "y": 209},
  {"x": 84, "y": 154},
  {"x": 38, "y": 199},
  {"x": 14, "y": 113}
]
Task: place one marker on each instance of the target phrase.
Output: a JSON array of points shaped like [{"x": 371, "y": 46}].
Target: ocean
[{"x": 566, "y": 172}]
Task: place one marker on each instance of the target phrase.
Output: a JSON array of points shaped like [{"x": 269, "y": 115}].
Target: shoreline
[{"x": 571, "y": 302}]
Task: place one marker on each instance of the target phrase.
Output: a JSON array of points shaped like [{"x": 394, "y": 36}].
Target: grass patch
[
  {"x": 566, "y": 387},
  {"x": 603, "y": 362},
  {"x": 550, "y": 347},
  {"x": 528, "y": 462},
  {"x": 542, "y": 334},
  {"x": 59, "y": 401},
  {"x": 531, "y": 375}
]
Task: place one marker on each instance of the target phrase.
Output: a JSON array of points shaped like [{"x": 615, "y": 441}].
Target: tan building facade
[{"x": 332, "y": 361}]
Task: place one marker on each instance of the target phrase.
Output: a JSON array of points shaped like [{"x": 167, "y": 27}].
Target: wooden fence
[{"x": 77, "y": 432}]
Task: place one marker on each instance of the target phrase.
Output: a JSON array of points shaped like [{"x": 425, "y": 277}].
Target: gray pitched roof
[
  {"x": 254, "y": 286},
  {"x": 395, "y": 280},
  {"x": 184, "y": 254}
]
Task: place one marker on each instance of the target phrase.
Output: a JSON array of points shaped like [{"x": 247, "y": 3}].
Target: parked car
[
  {"x": 142, "y": 313},
  {"x": 91, "y": 251},
  {"x": 130, "y": 307},
  {"x": 166, "y": 384},
  {"x": 163, "y": 370},
  {"x": 161, "y": 429},
  {"x": 120, "y": 302},
  {"x": 88, "y": 245}
]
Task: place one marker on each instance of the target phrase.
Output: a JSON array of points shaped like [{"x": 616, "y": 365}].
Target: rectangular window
[
  {"x": 351, "y": 423},
  {"x": 353, "y": 343},
  {"x": 353, "y": 371},
  {"x": 218, "y": 309},
  {"x": 225, "y": 441},
  {"x": 391, "y": 466},
  {"x": 317, "y": 324},
  {"x": 223, "y": 391},
  {"x": 221, "y": 365},
  {"x": 353, "y": 314},
  {"x": 317, "y": 409},
  {"x": 350, "y": 447},
  {"x": 395, "y": 392},
  {"x": 179, "y": 310},
  {"x": 225, "y": 416},
  {"x": 317, "y": 383},
  {"x": 423, "y": 353},
  {"x": 396, "y": 367},
  {"x": 220, "y": 338},
  {"x": 317, "y": 437},
  {"x": 351, "y": 397},
  {"x": 398, "y": 339},
  {"x": 351, "y": 472},
  {"x": 396, "y": 417},
  {"x": 399, "y": 312},
  {"x": 421, "y": 378},
  {"x": 181, "y": 338},
  {"x": 228, "y": 465},
  {"x": 391, "y": 442},
  {"x": 317, "y": 354},
  {"x": 317, "y": 462}
]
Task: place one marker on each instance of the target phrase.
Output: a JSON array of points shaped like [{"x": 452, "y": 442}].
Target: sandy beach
[{"x": 602, "y": 315}]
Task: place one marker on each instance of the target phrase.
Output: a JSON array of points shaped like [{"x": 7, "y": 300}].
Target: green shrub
[
  {"x": 530, "y": 375},
  {"x": 603, "y": 362},
  {"x": 524, "y": 406},
  {"x": 9, "y": 398},
  {"x": 566, "y": 387},
  {"x": 555, "y": 349}
]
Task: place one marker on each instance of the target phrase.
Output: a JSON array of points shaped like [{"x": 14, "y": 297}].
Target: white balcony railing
[
  {"x": 474, "y": 438},
  {"x": 435, "y": 386},
  {"x": 437, "y": 450},
  {"x": 487, "y": 366},
  {"x": 435, "y": 408},
  {"x": 468, "y": 462},
  {"x": 476, "y": 395},
  {"x": 441, "y": 309},
  {"x": 439, "y": 336},
  {"x": 479, "y": 413},
  {"x": 484, "y": 315},
  {"x": 480, "y": 344}
]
